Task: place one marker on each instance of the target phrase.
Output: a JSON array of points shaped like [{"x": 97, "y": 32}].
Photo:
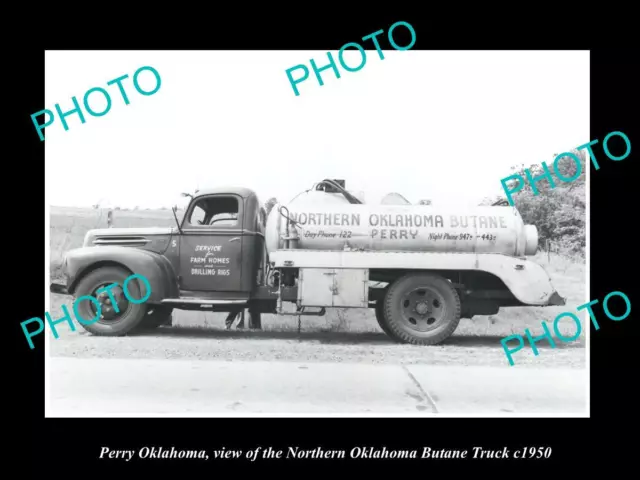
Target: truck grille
[{"x": 129, "y": 241}]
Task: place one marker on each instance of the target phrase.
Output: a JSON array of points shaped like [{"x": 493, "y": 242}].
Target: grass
[{"x": 68, "y": 227}]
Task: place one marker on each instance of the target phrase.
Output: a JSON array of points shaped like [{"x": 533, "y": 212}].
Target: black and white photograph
[{"x": 375, "y": 233}]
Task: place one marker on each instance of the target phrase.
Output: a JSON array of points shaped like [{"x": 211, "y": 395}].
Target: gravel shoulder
[
  {"x": 217, "y": 344},
  {"x": 200, "y": 336}
]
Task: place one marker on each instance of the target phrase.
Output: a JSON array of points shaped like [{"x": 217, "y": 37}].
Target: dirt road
[
  {"x": 198, "y": 367},
  {"x": 210, "y": 371},
  {"x": 96, "y": 387}
]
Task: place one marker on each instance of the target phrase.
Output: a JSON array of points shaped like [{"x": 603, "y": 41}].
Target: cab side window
[
  {"x": 217, "y": 211},
  {"x": 198, "y": 214}
]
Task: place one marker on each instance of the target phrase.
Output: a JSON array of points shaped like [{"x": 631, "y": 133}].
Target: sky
[{"x": 439, "y": 125}]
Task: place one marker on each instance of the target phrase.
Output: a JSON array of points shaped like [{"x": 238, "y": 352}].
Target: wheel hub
[
  {"x": 108, "y": 310},
  {"x": 423, "y": 309}
]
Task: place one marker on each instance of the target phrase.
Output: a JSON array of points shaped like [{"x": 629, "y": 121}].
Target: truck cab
[
  {"x": 211, "y": 260},
  {"x": 219, "y": 247}
]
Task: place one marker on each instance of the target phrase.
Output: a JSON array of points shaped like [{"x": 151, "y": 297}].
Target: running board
[{"x": 204, "y": 301}]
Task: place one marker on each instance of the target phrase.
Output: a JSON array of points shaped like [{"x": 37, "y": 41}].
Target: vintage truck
[{"x": 421, "y": 268}]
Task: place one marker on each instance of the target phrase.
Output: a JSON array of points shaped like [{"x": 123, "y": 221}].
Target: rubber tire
[
  {"x": 392, "y": 309},
  {"x": 159, "y": 316},
  {"x": 379, "y": 309},
  {"x": 127, "y": 323}
]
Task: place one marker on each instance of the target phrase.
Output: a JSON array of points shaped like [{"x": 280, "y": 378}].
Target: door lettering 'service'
[{"x": 208, "y": 258}]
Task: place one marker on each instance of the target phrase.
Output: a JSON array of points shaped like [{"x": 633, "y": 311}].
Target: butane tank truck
[{"x": 419, "y": 267}]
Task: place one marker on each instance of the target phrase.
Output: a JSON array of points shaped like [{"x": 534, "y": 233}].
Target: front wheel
[
  {"x": 117, "y": 315},
  {"x": 422, "y": 309}
]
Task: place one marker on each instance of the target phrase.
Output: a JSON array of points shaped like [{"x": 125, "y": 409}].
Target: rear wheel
[
  {"x": 117, "y": 315},
  {"x": 422, "y": 309},
  {"x": 382, "y": 322}
]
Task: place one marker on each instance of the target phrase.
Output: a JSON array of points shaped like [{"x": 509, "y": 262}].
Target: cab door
[{"x": 211, "y": 244}]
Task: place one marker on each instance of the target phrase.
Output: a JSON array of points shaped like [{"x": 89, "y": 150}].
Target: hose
[
  {"x": 352, "y": 199},
  {"x": 289, "y": 221}
]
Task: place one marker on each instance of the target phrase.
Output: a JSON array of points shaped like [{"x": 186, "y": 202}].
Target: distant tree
[{"x": 559, "y": 213}]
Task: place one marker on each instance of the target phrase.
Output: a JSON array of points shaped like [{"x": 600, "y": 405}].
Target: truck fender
[
  {"x": 155, "y": 268},
  {"x": 528, "y": 282}
]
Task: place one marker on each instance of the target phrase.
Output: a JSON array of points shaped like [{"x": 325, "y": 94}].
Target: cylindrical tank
[{"x": 329, "y": 222}]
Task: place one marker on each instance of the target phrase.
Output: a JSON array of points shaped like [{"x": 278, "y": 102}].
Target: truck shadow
[{"x": 344, "y": 338}]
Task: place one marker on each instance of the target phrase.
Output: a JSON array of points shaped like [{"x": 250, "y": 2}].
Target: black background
[{"x": 70, "y": 447}]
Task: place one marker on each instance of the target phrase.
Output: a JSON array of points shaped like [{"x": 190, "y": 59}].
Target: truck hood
[{"x": 155, "y": 239}]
